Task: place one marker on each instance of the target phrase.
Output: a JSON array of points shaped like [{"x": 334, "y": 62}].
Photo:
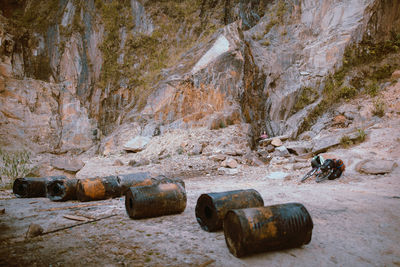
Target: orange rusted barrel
[
  {"x": 98, "y": 188},
  {"x": 253, "y": 230},
  {"x": 212, "y": 207},
  {"x": 32, "y": 187},
  {"x": 133, "y": 179},
  {"x": 155, "y": 200},
  {"x": 62, "y": 189}
]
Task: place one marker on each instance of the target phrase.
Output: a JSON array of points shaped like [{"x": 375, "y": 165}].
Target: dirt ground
[
  {"x": 356, "y": 217},
  {"x": 356, "y": 223}
]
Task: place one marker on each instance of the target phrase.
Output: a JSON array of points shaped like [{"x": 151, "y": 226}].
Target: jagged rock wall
[
  {"x": 293, "y": 47},
  {"x": 205, "y": 91},
  {"x": 262, "y": 56}
]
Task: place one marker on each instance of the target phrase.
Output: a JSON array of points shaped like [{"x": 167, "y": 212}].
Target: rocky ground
[{"x": 356, "y": 217}]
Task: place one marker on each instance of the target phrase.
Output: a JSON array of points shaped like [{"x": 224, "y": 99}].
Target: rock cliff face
[{"x": 75, "y": 71}]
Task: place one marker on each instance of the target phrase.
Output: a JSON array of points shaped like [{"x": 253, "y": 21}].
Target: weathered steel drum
[
  {"x": 268, "y": 228},
  {"x": 32, "y": 187},
  {"x": 98, "y": 188},
  {"x": 155, "y": 200},
  {"x": 133, "y": 179},
  {"x": 212, "y": 207},
  {"x": 62, "y": 189}
]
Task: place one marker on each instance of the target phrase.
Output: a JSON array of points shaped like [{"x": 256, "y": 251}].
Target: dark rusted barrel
[
  {"x": 32, "y": 187},
  {"x": 98, "y": 188},
  {"x": 133, "y": 179},
  {"x": 62, "y": 189},
  {"x": 212, "y": 207},
  {"x": 253, "y": 230},
  {"x": 155, "y": 200}
]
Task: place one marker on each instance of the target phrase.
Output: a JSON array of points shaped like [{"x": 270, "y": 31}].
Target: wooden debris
[{"x": 75, "y": 218}]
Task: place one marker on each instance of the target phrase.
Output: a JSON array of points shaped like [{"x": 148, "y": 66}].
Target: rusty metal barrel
[
  {"x": 254, "y": 230},
  {"x": 62, "y": 189},
  {"x": 212, "y": 207},
  {"x": 155, "y": 200},
  {"x": 32, "y": 187},
  {"x": 98, "y": 188},
  {"x": 133, "y": 179}
]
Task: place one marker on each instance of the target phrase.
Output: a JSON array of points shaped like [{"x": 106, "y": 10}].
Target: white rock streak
[{"x": 220, "y": 46}]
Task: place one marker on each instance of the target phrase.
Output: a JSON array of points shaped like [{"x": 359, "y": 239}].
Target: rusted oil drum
[
  {"x": 62, "y": 189},
  {"x": 98, "y": 188},
  {"x": 32, "y": 187},
  {"x": 155, "y": 200},
  {"x": 253, "y": 230},
  {"x": 212, "y": 207},
  {"x": 133, "y": 179}
]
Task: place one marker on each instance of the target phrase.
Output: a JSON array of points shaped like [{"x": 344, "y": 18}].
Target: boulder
[
  {"x": 34, "y": 230},
  {"x": 282, "y": 151},
  {"x": 68, "y": 164},
  {"x": 277, "y": 175},
  {"x": 339, "y": 121},
  {"x": 118, "y": 162},
  {"x": 276, "y": 142},
  {"x": 137, "y": 144},
  {"x": 308, "y": 135},
  {"x": 197, "y": 149},
  {"x": 323, "y": 144},
  {"x": 228, "y": 171},
  {"x": 299, "y": 148},
  {"x": 229, "y": 163},
  {"x": 140, "y": 162},
  {"x": 396, "y": 75},
  {"x": 218, "y": 157},
  {"x": 373, "y": 166}
]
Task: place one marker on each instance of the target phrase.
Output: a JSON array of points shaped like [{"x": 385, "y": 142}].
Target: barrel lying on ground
[
  {"x": 33, "y": 187},
  {"x": 212, "y": 207},
  {"x": 155, "y": 200},
  {"x": 62, "y": 189},
  {"x": 98, "y": 188},
  {"x": 133, "y": 179},
  {"x": 253, "y": 230}
]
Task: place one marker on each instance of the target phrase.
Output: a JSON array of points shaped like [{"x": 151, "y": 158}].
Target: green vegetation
[
  {"x": 361, "y": 135},
  {"x": 379, "y": 108},
  {"x": 266, "y": 43},
  {"x": 345, "y": 141},
  {"x": 146, "y": 55},
  {"x": 14, "y": 164},
  {"x": 307, "y": 96},
  {"x": 277, "y": 12},
  {"x": 38, "y": 16},
  {"x": 180, "y": 150},
  {"x": 269, "y": 26},
  {"x": 372, "y": 88},
  {"x": 347, "y": 92}
]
